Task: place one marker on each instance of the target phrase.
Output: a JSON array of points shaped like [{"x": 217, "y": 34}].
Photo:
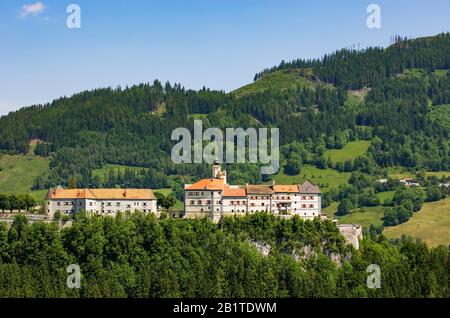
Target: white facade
[
  {"x": 307, "y": 205},
  {"x": 410, "y": 183},
  {"x": 283, "y": 202},
  {"x": 259, "y": 203},
  {"x": 99, "y": 201},
  {"x": 214, "y": 197},
  {"x": 205, "y": 201},
  {"x": 234, "y": 205}
]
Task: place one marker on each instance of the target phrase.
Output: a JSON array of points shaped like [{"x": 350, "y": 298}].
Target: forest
[
  {"x": 396, "y": 99},
  {"x": 137, "y": 255},
  {"x": 403, "y": 114}
]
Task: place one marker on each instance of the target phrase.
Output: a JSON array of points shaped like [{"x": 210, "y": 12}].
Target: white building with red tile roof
[
  {"x": 234, "y": 199},
  {"x": 99, "y": 201},
  {"x": 214, "y": 197}
]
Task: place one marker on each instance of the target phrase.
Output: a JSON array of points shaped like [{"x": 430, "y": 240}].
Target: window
[
  {"x": 192, "y": 202},
  {"x": 311, "y": 206},
  {"x": 90, "y": 203},
  {"x": 303, "y": 206},
  {"x": 303, "y": 198},
  {"x": 311, "y": 198}
]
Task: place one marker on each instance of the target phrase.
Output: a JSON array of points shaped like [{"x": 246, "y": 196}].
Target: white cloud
[{"x": 34, "y": 9}]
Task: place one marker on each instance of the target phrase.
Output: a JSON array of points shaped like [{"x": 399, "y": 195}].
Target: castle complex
[
  {"x": 99, "y": 201},
  {"x": 216, "y": 198},
  {"x": 212, "y": 197}
]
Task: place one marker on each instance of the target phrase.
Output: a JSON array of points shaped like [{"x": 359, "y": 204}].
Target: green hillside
[
  {"x": 351, "y": 151},
  {"x": 279, "y": 81},
  {"x": 431, "y": 224},
  {"x": 395, "y": 97},
  {"x": 103, "y": 172},
  {"x": 441, "y": 114},
  {"x": 326, "y": 178},
  {"x": 17, "y": 174}
]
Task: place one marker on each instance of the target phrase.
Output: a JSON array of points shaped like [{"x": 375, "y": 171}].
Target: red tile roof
[
  {"x": 285, "y": 188},
  {"x": 234, "y": 192},
  {"x": 101, "y": 194},
  {"x": 207, "y": 184}
]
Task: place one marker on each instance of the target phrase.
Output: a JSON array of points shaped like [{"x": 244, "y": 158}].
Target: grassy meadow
[
  {"x": 351, "y": 151},
  {"x": 18, "y": 172},
  {"x": 279, "y": 80},
  {"x": 431, "y": 224},
  {"x": 325, "y": 178}
]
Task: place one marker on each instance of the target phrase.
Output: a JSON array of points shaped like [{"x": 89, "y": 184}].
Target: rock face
[
  {"x": 352, "y": 233},
  {"x": 262, "y": 247}
]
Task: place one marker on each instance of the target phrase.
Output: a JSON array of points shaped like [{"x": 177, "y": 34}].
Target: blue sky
[{"x": 219, "y": 44}]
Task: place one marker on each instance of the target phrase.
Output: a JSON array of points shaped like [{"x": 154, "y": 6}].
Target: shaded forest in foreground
[{"x": 136, "y": 255}]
